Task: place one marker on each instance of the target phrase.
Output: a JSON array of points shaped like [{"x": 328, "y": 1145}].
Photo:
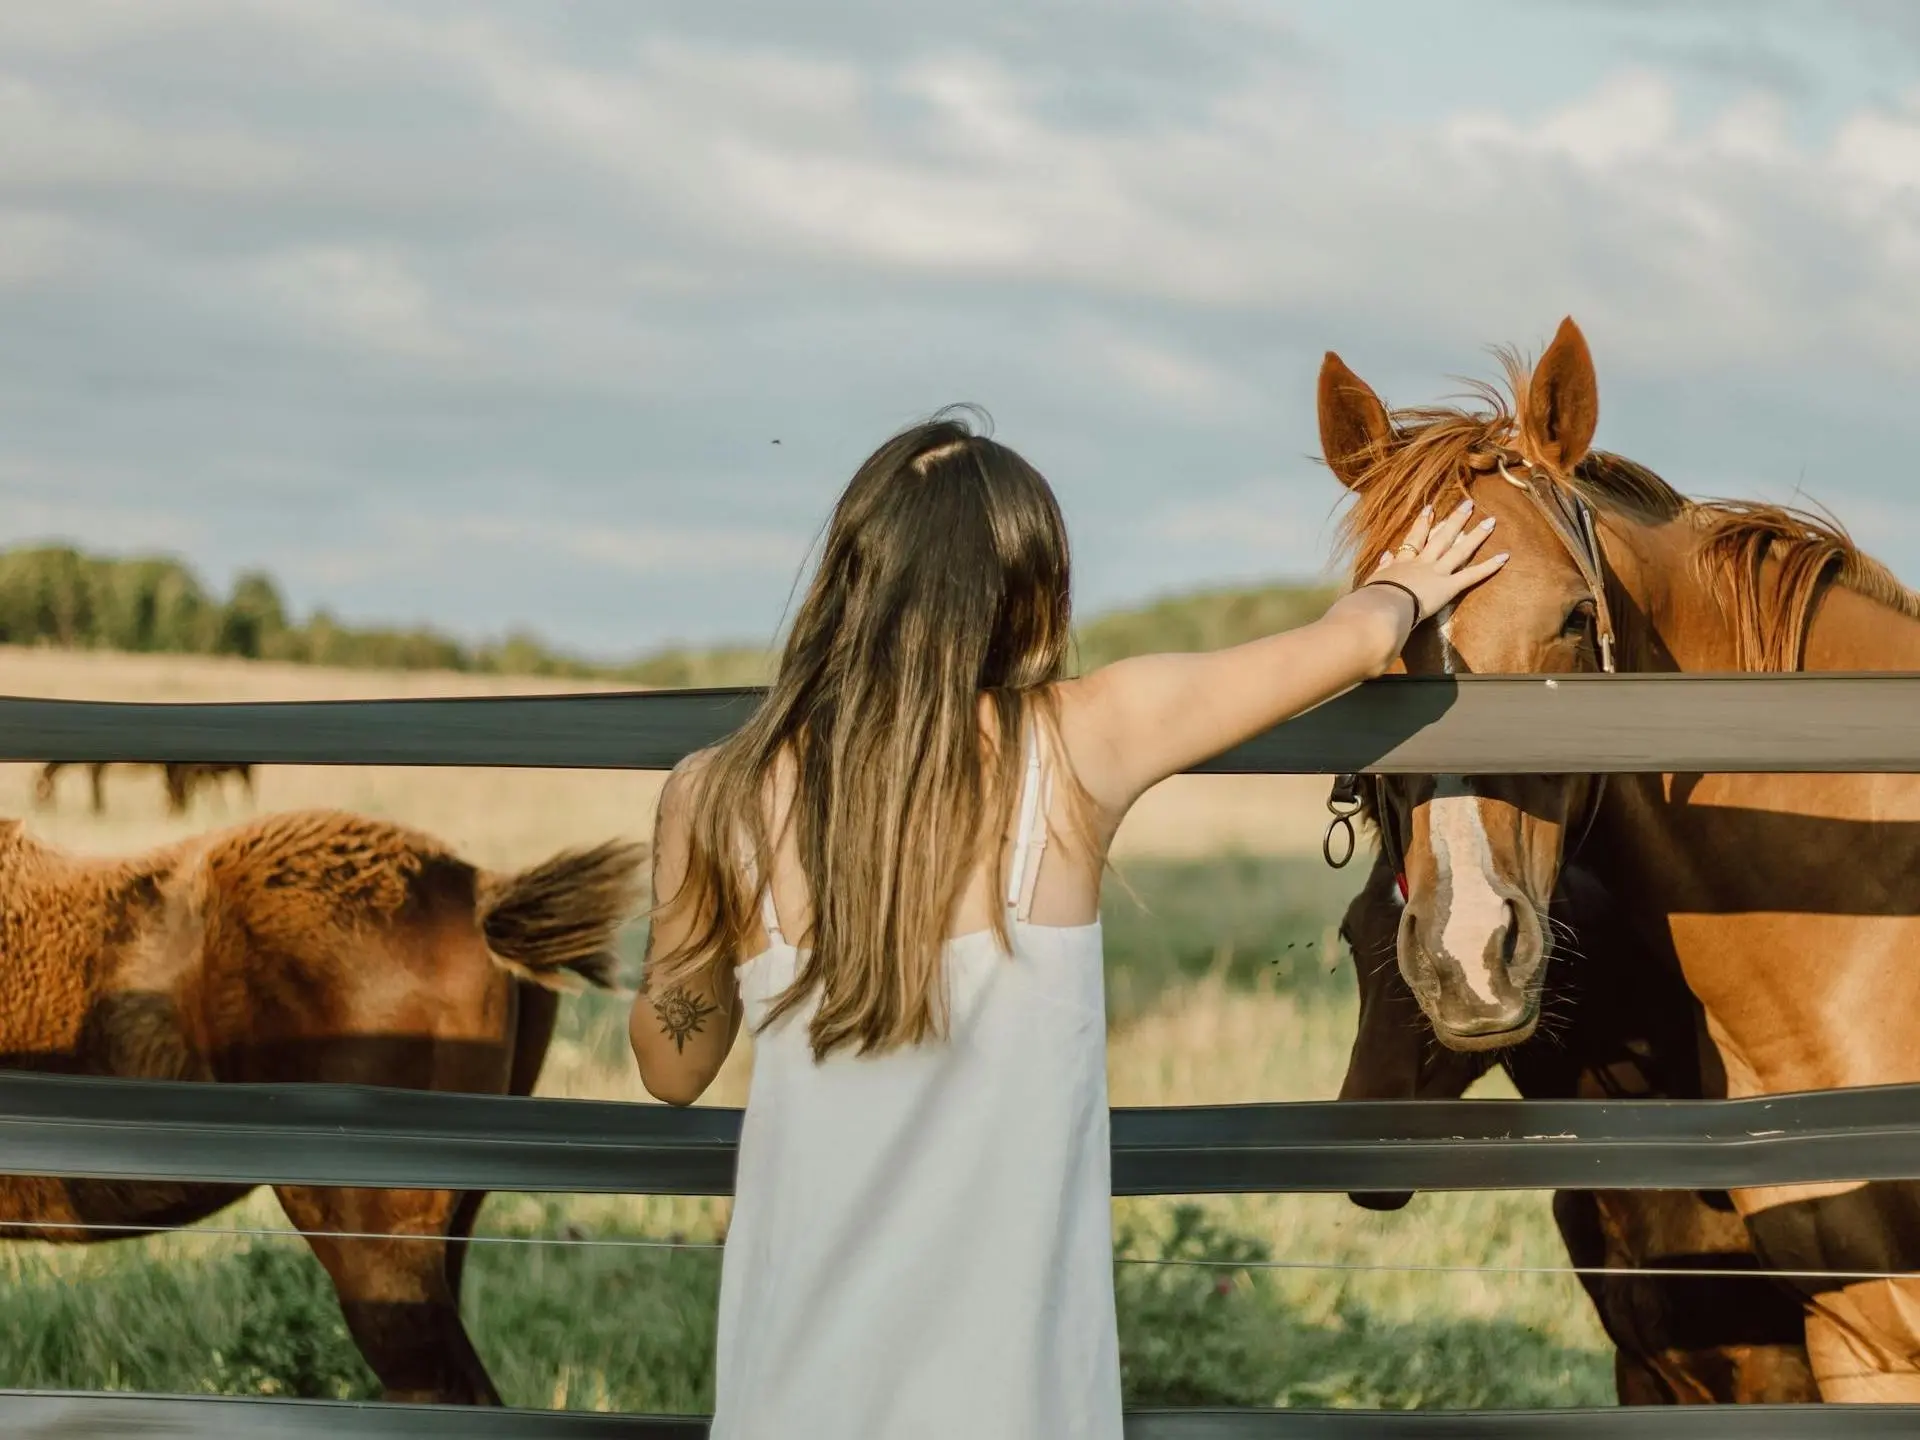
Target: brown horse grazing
[
  {"x": 182, "y": 779},
  {"x": 1680, "y": 1340},
  {"x": 1790, "y": 903},
  {"x": 307, "y": 947}
]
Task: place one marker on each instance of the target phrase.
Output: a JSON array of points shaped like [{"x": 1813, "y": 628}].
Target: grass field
[{"x": 1224, "y": 985}]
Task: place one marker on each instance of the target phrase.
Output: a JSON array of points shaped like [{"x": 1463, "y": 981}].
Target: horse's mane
[{"x": 1432, "y": 450}]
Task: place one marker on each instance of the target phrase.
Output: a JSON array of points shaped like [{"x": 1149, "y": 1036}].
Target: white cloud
[
  {"x": 366, "y": 299},
  {"x": 36, "y": 246},
  {"x": 1879, "y": 151},
  {"x": 55, "y": 140}
]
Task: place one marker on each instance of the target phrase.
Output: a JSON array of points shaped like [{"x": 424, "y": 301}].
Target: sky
[{"x": 490, "y": 315}]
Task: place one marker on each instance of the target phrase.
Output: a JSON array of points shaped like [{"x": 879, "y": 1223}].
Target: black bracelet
[{"x": 1417, "y": 615}]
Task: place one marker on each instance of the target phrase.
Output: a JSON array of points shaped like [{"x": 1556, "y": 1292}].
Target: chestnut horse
[
  {"x": 1789, "y": 903},
  {"x": 1680, "y": 1340},
  {"x": 182, "y": 779},
  {"x": 310, "y": 946}
]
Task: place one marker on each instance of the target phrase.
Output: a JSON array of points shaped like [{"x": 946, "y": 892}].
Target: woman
[{"x": 921, "y": 1237}]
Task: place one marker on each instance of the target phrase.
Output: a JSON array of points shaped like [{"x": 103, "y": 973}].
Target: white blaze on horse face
[
  {"x": 1447, "y": 652},
  {"x": 1464, "y": 862}
]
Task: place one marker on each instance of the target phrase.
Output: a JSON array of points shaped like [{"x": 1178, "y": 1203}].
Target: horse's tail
[{"x": 554, "y": 923}]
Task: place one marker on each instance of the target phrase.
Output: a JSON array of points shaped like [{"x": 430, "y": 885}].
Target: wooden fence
[{"x": 356, "y": 1136}]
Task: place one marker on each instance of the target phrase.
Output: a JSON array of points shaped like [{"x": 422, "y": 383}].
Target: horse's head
[
  {"x": 1394, "y": 1057},
  {"x": 1480, "y": 855}
]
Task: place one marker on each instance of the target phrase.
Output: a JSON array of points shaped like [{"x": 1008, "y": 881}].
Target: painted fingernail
[
  {"x": 1427, "y": 513},
  {"x": 1501, "y": 558},
  {"x": 1487, "y": 524}
]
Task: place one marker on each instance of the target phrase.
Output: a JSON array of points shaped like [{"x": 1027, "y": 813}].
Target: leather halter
[{"x": 1570, "y": 517}]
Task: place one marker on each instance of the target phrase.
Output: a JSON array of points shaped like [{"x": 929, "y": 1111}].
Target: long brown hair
[{"x": 943, "y": 577}]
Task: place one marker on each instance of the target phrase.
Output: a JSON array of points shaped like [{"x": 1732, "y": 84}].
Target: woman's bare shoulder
[{"x": 1087, "y": 735}]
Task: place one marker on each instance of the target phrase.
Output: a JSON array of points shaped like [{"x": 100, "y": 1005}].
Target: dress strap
[
  {"x": 769, "y": 917},
  {"x": 1030, "y": 841}
]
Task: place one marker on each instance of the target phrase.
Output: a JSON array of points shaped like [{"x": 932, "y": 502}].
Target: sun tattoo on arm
[{"x": 682, "y": 1015}]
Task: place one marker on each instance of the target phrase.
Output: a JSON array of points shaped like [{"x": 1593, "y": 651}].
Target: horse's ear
[
  {"x": 1563, "y": 401},
  {"x": 1354, "y": 429}
]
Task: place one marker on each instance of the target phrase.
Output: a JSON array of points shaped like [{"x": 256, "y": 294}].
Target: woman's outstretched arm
[{"x": 1133, "y": 723}]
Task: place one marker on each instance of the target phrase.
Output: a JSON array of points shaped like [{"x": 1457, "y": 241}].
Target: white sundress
[{"x": 921, "y": 1245}]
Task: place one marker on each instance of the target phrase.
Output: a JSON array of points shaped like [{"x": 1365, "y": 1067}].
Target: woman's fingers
[
  {"x": 1469, "y": 541},
  {"x": 1462, "y": 580},
  {"x": 1446, "y": 532},
  {"x": 1416, "y": 540}
]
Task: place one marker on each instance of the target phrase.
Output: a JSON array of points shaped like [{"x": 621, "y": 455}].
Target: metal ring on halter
[
  {"x": 1508, "y": 476},
  {"x": 1339, "y": 822},
  {"x": 1343, "y": 804}
]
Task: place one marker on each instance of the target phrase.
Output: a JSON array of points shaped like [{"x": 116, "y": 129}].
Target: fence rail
[
  {"x": 30, "y": 1415},
  {"x": 358, "y": 1136},
  {"x": 84, "y": 1127},
  {"x": 1464, "y": 724}
]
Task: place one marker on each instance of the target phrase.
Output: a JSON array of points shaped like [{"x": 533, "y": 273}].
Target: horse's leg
[
  {"x": 1637, "y": 1383},
  {"x": 535, "y": 1012},
  {"x": 397, "y": 1296},
  {"x": 466, "y": 1212},
  {"x": 178, "y": 789},
  {"x": 43, "y": 790},
  {"x": 98, "y": 774}
]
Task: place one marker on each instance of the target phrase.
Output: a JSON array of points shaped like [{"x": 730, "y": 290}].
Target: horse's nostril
[{"x": 1509, "y": 932}]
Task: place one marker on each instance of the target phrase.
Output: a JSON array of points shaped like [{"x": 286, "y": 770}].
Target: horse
[
  {"x": 182, "y": 778},
  {"x": 1730, "y": 1338},
  {"x": 1790, "y": 904},
  {"x": 304, "y": 946}
]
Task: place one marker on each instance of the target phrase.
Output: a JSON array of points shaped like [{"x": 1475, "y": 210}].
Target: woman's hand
[{"x": 1430, "y": 565}]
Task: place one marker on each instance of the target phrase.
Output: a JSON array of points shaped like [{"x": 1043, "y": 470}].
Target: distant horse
[
  {"x": 1680, "y": 1340},
  {"x": 1789, "y": 903},
  {"x": 305, "y": 946},
  {"x": 182, "y": 779}
]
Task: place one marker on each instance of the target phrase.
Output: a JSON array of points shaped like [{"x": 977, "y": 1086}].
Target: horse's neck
[
  {"x": 1670, "y": 619},
  {"x": 1851, "y": 632}
]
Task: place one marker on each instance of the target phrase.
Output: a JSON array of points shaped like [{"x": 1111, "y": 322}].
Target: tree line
[{"x": 56, "y": 595}]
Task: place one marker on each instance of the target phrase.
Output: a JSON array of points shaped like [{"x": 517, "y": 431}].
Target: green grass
[
  {"x": 631, "y": 1328},
  {"x": 600, "y": 1328}
]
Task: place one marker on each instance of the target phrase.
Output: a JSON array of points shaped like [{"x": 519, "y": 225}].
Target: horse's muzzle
[{"x": 1486, "y": 1002}]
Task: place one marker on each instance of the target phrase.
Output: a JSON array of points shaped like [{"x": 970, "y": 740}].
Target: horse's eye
[{"x": 1579, "y": 622}]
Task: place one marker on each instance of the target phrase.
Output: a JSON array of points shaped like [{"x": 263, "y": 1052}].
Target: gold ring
[{"x": 1406, "y": 550}]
